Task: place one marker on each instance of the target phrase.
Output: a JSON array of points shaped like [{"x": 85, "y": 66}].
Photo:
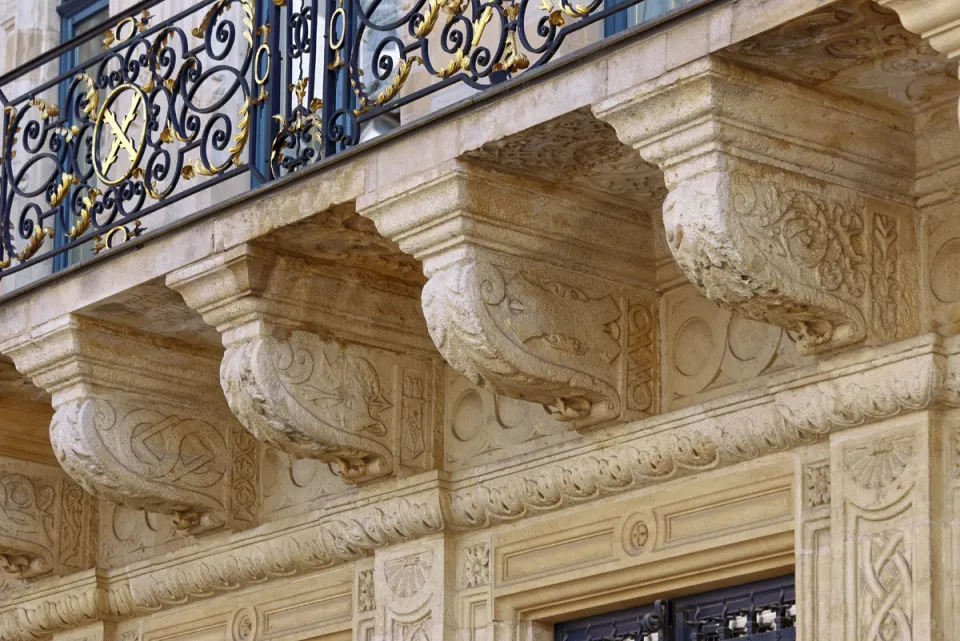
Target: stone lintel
[
  {"x": 322, "y": 362},
  {"x": 139, "y": 419},
  {"x": 785, "y": 205},
  {"x": 534, "y": 293}
]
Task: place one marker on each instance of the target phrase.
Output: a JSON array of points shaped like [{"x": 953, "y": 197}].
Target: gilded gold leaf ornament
[
  {"x": 91, "y": 97},
  {"x": 403, "y": 72},
  {"x": 67, "y": 181},
  {"x": 35, "y": 242},
  {"x": 117, "y": 236},
  {"x": 556, "y": 16},
  {"x": 48, "y": 111},
  {"x": 429, "y": 19},
  {"x": 84, "y": 216}
]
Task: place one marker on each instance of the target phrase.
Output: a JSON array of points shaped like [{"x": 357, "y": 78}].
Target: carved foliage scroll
[
  {"x": 808, "y": 257},
  {"x": 539, "y": 335},
  {"x": 350, "y": 406}
]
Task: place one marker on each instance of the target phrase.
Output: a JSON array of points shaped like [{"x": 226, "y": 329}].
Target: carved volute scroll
[
  {"x": 531, "y": 294},
  {"x": 776, "y": 215},
  {"x": 139, "y": 420},
  {"x": 318, "y": 362}
]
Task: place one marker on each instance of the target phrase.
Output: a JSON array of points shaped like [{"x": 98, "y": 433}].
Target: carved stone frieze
[
  {"x": 803, "y": 234},
  {"x": 798, "y": 407},
  {"x": 361, "y": 404},
  {"x": 140, "y": 421},
  {"x": 554, "y": 318},
  {"x": 47, "y": 523}
]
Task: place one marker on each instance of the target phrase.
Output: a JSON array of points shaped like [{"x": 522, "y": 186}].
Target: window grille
[{"x": 761, "y": 611}]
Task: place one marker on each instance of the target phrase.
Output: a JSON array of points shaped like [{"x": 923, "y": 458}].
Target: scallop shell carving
[
  {"x": 407, "y": 575},
  {"x": 878, "y": 463}
]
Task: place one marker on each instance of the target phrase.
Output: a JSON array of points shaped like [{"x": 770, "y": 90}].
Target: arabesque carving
[
  {"x": 138, "y": 422},
  {"x": 362, "y": 402},
  {"x": 557, "y": 320},
  {"x": 47, "y": 523},
  {"x": 777, "y": 231},
  {"x": 906, "y": 378}
]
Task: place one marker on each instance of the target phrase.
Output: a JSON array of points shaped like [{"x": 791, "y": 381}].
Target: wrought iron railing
[{"x": 241, "y": 92}]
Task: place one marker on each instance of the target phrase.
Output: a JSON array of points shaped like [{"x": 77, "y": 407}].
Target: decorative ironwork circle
[
  {"x": 341, "y": 14},
  {"x": 120, "y": 140},
  {"x": 262, "y": 52}
]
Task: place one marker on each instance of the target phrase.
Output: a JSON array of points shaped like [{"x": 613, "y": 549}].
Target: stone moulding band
[{"x": 796, "y": 408}]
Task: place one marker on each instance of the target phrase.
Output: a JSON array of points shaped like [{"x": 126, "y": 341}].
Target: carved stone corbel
[
  {"x": 140, "y": 421},
  {"x": 47, "y": 523},
  {"x": 938, "y": 21},
  {"x": 785, "y": 205},
  {"x": 532, "y": 292},
  {"x": 321, "y": 362}
]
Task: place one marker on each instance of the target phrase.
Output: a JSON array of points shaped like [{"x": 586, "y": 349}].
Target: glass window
[{"x": 77, "y": 17}]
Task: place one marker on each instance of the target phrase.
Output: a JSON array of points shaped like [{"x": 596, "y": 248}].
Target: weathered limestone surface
[
  {"x": 794, "y": 407},
  {"x": 357, "y": 401},
  {"x": 137, "y": 421}
]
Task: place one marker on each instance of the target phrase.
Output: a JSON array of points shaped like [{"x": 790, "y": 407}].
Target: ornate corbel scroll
[
  {"x": 139, "y": 420},
  {"x": 531, "y": 293},
  {"x": 938, "y": 21},
  {"x": 47, "y": 522},
  {"x": 779, "y": 206},
  {"x": 320, "y": 362}
]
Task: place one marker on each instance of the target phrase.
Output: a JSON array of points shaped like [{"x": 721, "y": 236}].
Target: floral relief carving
[
  {"x": 799, "y": 413},
  {"x": 886, "y": 587},
  {"x": 782, "y": 252},
  {"x": 543, "y": 341},
  {"x": 476, "y": 565},
  {"x": 366, "y": 597},
  {"x": 406, "y": 575},
  {"x": 313, "y": 399},
  {"x": 244, "y": 625},
  {"x": 884, "y": 273},
  {"x": 816, "y": 485},
  {"x": 879, "y": 463}
]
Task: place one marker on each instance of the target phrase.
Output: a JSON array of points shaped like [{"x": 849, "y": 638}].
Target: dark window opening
[{"x": 761, "y": 611}]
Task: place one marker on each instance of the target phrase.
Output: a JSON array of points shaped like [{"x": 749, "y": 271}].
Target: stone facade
[{"x": 681, "y": 315}]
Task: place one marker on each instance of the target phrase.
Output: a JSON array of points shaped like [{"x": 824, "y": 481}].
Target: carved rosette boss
[
  {"x": 137, "y": 421},
  {"x": 520, "y": 310},
  {"x": 771, "y": 212},
  {"x": 356, "y": 405}
]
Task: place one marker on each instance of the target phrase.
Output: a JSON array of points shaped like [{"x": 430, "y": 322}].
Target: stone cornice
[{"x": 796, "y": 408}]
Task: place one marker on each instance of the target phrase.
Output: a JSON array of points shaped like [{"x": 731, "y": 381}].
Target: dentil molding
[
  {"x": 796, "y": 408},
  {"x": 139, "y": 421},
  {"x": 778, "y": 217}
]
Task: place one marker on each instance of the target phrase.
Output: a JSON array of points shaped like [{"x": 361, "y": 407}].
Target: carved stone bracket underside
[
  {"x": 47, "y": 522},
  {"x": 358, "y": 400},
  {"x": 770, "y": 213},
  {"x": 139, "y": 420},
  {"x": 531, "y": 294},
  {"x": 937, "y": 21}
]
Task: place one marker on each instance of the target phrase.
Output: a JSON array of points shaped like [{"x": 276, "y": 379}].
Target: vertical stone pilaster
[
  {"x": 889, "y": 525},
  {"x": 814, "y": 594},
  {"x": 415, "y": 585}
]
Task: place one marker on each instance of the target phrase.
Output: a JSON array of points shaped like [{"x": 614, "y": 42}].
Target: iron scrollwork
[
  {"x": 162, "y": 105},
  {"x": 228, "y": 87}
]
